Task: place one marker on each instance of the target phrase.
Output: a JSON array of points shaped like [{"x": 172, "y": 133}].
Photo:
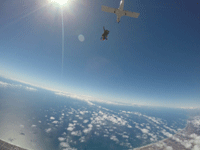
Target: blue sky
[{"x": 154, "y": 59}]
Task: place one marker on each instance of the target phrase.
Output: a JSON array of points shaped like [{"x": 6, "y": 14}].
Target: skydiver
[{"x": 105, "y": 34}]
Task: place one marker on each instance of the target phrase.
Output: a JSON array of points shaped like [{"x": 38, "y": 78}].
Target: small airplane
[{"x": 120, "y": 11}]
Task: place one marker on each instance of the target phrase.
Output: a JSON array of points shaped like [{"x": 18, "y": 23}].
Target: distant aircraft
[
  {"x": 120, "y": 11},
  {"x": 105, "y": 34}
]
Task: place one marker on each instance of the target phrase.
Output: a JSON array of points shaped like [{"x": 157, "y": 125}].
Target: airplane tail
[
  {"x": 118, "y": 19},
  {"x": 121, "y": 6}
]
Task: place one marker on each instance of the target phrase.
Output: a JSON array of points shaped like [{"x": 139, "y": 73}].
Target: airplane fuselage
[
  {"x": 120, "y": 11},
  {"x": 119, "y": 14}
]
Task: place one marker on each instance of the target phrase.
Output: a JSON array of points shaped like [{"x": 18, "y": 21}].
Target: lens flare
[
  {"x": 63, "y": 36},
  {"x": 81, "y": 38}
]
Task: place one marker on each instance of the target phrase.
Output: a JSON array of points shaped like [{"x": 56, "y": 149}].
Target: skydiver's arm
[{"x": 103, "y": 28}]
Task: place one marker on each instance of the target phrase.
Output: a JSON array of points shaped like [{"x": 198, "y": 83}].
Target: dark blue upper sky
[{"x": 154, "y": 59}]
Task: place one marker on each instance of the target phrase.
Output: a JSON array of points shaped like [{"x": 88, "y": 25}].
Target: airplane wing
[
  {"x": 108, "y": 9},
  {"x": 131, "y": 14}
]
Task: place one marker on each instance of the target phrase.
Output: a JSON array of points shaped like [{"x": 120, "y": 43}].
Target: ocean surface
[{"x": 35, "y": 118}]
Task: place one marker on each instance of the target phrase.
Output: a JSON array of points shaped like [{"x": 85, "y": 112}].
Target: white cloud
[
  {"x": 90, "y": 125},
  {"x": 69, "y": 148},
  {"x": 113, "y": 118},
  {"x": 76, "y": 133},
  {"x": 52, "y": 118},
  {"x": 169, "y": 135},
  {"x": 4, "y": 84},
  {"x": 30, "y": 89},
  {"x": 33, "y": 126},
  {"x": 97, "y": 133},
  {"x": 85, "y": 121},
  {"x": 98, "y": 125},
  {"x": 82, "y": 112},
  {"x": 55, "y": 122},
  {"x": 100, "y": 112},
  {"x": 152, "y": 140},
  {"x": 125, "y": 136},
  {"x": 87, "y": 130},
  {"x": 193, "y": 135},
  {"x": 195, "y": 121},
  {"x": 48, "y": 130},
  {"x": 8, "y": 85},
  {"x": 70, "y": 125},
  {"x": 189, "y": 107},
  {"x": 82, "y": 139},
  {"x": 148, "y": 127},
  {"x": 196, "y": 147},
  {"x": 176, "y": 139},
  {"x": 40, "y": 121},
  {"x": 61, "y": 139},
  {"x": 170, "y": 129},
  {"x": 169, "y": 148},
  {"x": 137, "y": 113},
  {"x": 70, "y": 128},
  {"x": 114, "y": 138},
  {"x": 197, "y": 140},
  {"x": 187, "y": 145},
  {"x": 144, "y": 131},
  {"x": 88, "y": 99},
  {"x": 64, "y": 144}
]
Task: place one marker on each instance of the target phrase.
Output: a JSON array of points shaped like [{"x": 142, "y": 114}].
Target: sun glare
[{"x": 61, "y": 2}]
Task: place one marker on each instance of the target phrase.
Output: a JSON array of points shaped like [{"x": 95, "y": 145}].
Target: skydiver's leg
[{"x": 103, "y": 29}]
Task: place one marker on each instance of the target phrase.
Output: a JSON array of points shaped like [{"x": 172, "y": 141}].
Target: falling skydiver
[{"x": 105, "y": 34}]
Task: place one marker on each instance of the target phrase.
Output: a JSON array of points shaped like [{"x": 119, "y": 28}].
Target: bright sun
[{"x": 61, "y": 2}]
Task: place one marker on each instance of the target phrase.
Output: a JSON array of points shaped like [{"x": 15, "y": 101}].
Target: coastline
[
  {"x": 138, "y": 148},
  {"x": 149, "y": 145}
]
